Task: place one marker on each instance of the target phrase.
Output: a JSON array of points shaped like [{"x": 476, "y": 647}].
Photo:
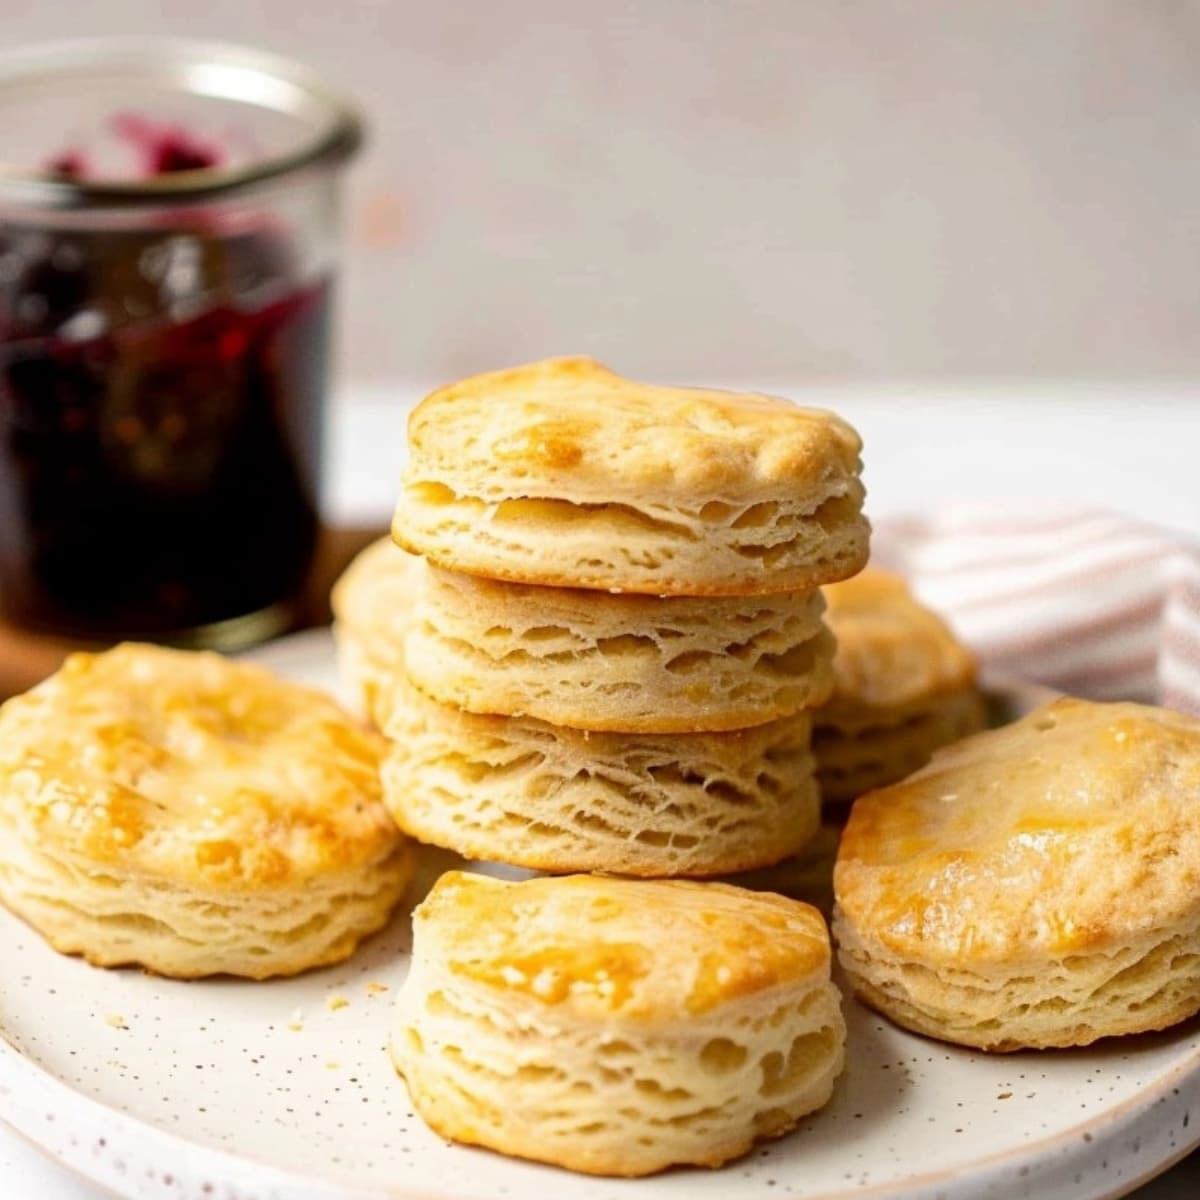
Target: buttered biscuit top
[
  {"x": 644, "y": 951},
  {"x": 1075, "y": 830},
  {"x": 191, "y": 768},
  {"x": 571, "y": 426}
]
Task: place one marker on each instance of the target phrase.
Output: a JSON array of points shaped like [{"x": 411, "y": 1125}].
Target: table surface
[{"x": 925, "y": 446}]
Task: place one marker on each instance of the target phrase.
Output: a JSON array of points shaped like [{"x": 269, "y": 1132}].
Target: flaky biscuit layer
[
  {"x": 622, "y": 663},
  {"x": 521, "y": 791}
]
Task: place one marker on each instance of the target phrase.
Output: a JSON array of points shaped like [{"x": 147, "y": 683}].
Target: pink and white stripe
[{"x": 1081, "y": 599}]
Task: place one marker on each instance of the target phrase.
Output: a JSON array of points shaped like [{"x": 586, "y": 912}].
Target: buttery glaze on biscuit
[
  {"x": 194, "y": 815},
  {"x": 616, "y": 1027},
  {"x": 521, "y": 791},
  {"x": 637, "y": 487},
  {"x": 562, "y": 414},
  {"x": 617, "y": 663},
  {"x": 1037, "y": 885},
  {"x": 903, "y": 686}
]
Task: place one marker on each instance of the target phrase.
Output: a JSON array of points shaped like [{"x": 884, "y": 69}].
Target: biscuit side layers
[
  {"x": 624, "y": 663},
  {"x": 521, "y": 791}
]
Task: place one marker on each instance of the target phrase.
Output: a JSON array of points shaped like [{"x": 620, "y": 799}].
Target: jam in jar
[{"x": 163, "y": 368}]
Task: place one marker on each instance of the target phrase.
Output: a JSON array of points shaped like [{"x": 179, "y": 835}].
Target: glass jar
[{"x": 167, "y": 251}]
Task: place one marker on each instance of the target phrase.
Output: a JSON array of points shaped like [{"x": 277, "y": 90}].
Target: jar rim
[{"x": 206, "y": 68}]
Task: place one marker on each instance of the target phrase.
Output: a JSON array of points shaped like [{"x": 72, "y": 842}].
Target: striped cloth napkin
[{"x": 1084, "y": 600}]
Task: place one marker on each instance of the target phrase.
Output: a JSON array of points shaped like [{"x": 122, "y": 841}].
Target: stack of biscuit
[
  {"x": 596, "y": 651},
  {"x": 607, "y": 658}
]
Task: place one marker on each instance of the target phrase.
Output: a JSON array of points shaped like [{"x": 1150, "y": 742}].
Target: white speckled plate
[{"x": 267, "y": 1091}]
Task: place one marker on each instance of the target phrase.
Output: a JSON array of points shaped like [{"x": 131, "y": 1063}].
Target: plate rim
[{"x": 1178, "y": 1089}]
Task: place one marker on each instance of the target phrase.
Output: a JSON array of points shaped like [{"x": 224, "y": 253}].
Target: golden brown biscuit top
[
  {"x": 190, "y": 768},
  {"x": 571, "y": 428},
  {"x": 375, "y": 593},
  {"x": 644, "y": 950},
  {"x": 892, "y": 650},
  {"x": 1073, "y": 830}
]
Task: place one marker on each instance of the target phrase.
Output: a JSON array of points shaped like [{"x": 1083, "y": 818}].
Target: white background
[{"x": 806, "y": 190}]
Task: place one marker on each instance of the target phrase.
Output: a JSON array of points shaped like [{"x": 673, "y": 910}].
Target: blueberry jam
[{"x": 160, "y": 396}]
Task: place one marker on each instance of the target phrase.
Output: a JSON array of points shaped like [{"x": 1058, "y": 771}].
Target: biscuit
[
  {"x": 806, "y": 876},
  {"x": 852, "y": 760},
  {"x": 521, "y": 791},
  {"x": 193, "y": 815},
  {"x": 563, "y": 473},
  {"x": 1033, "y": 886},
  {"x": 625, "y": 663},
  {"x": 903, "y": 686},
  {"x": 372, "y": 604},
  {"x": 616, "y": 1027}
]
